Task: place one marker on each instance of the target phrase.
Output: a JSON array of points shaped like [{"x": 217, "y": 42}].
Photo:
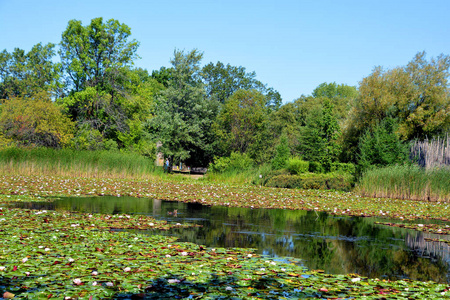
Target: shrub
[
  {"x": 334, "y": 181},
  {"x": 35, "y": 122},
  {"x": 235, "y": 162},
  {"x": 88, "y": 138},
  {"x": 297, "y": 166},
  {"x": 343, "y": 168},
  {"x": 315, "y": 167},
  {"x": 285, "y": 181},
  {"x": 268, "y": 176}
]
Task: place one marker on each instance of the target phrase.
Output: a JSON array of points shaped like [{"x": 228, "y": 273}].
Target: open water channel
[{"x": 337, "y": 245}]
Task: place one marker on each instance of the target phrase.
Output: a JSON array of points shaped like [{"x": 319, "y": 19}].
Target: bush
[
  {"x": 330, "y": 181},
  {"x": 343, "y": 168},
  {"x": 297, "y": 166},
  {"x": 235, "y": 162},
  {"x": 268, "y": 176},
  {"x": 285, "y": 181},
  {"x": 315, "y": 167},
  {"x": 88, "y": 138}
]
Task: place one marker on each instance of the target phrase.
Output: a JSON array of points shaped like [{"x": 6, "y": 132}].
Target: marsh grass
[
  {"x": 406, "y": 182},
  {"x": 68, "y": 162},
  {"x": 231, "y": 177},
  {"x": 251, "y": 176}
]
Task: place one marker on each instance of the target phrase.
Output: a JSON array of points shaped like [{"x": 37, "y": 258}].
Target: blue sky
[{"x": 293, "y": 46}]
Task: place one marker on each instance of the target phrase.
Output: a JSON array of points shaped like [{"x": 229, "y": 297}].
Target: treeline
[{"x": 217, "y": 115}]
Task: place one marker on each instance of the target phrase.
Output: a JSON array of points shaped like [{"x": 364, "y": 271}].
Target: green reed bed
[
  {"x": 407, "y": 182},
  {"x": 69, "y": 162}
]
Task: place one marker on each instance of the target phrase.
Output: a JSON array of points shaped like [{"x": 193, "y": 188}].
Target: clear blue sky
[{"x": 292, "y": 45}]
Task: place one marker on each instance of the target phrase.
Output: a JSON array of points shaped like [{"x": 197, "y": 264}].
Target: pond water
[{"x": 337, "y": 245}]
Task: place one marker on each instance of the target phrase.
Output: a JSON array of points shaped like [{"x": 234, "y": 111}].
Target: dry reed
[{"x": 430, "y": 154}]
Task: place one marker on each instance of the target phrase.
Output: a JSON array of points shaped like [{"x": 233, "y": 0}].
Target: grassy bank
[
  {"x": 68, "y": 162},
  {"x": 407, "y": 182}
]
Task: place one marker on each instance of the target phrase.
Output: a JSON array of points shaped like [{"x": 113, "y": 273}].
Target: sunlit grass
[
  {"x": 406, "y": 182},
  {"x": 238, "y": 177},
  {"x": 68, "y": 162}
]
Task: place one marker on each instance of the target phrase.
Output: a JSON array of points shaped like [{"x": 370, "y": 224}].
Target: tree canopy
[
  {"x": 95, "y": 98},
  {"x": 183, "y": 115}
]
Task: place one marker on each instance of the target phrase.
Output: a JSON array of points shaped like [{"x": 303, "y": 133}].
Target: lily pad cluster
[
  {"x": 67, "y": 255},
  {"x": 333, "y": 202},
  {"x": 443, "y": 229},
  {"x": 51, "y": 254}
]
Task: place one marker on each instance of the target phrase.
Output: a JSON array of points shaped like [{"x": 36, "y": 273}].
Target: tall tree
[
  {"x": 223, "y": 81},
  {"x": 26, "y": 74},
  {"x": 342, "y": 97},
  {"x": 242, "y": 123},
  {"x": 333, "y": 91},
  {"x": 98, "y": 60},
  {"x": 319, "y": 136},
  {"x": 183, "y": 115},
  {"x": 97, "y": 54},
  {"x": 163, "y": 75},
  {"x": 417, "y": 94}
]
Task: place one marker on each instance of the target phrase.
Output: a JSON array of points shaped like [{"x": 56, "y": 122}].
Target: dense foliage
[{"x": 95, "y": 99}]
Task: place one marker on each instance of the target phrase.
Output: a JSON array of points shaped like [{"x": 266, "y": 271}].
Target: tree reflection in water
[{"x": 337, "y": 245}]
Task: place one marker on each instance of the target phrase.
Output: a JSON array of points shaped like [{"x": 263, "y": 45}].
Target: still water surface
[{"x": 338, "y": 245}]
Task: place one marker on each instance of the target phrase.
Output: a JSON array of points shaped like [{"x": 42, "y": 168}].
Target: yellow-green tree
[
  {"x": 416, "y": 95},
  {"x": 35, "y": 121}
]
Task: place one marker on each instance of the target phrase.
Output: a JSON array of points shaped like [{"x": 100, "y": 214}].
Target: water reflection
[{"x": 334, "y": 244}]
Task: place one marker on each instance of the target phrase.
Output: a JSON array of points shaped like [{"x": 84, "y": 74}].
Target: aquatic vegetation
[
  {"x": 60, "y": 254},
  {"x": 334, "y": 202},
  {"x": 51, "y": 254}
]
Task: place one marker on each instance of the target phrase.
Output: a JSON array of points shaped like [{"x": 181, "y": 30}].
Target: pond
[{"x": 337, "y": 245}]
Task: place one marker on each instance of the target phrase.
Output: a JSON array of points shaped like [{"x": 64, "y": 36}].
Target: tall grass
[
  {"x": 406, "y": 182},
  {"x": 68, "y": 162},
  {"x": 234, "y": 176}
]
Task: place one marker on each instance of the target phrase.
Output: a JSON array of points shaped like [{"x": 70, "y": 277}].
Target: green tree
[
  {"x": 223, "y": 81},
  {"x": 333, "y": 91},
  {"x": 138, "y": 107},
  {"x": 183, "y": 115},
  {"x": 107, "y": 93},
  {"x": 97, "y": 55},
  {"x": 242, "y": 124},
  {"x": 342, "y": 97},
  {"x": 95, "y": 108},
  {"x": 320, "y": 135},
  {"x": 380, "y": 145},
  {"x": 26, "y": 74},
  {"x": 286, "y": 119},
  {"x": 282, "y": 153},
  {"x": 35, "y": 121},
  {"x": 163, "y": 75}
]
